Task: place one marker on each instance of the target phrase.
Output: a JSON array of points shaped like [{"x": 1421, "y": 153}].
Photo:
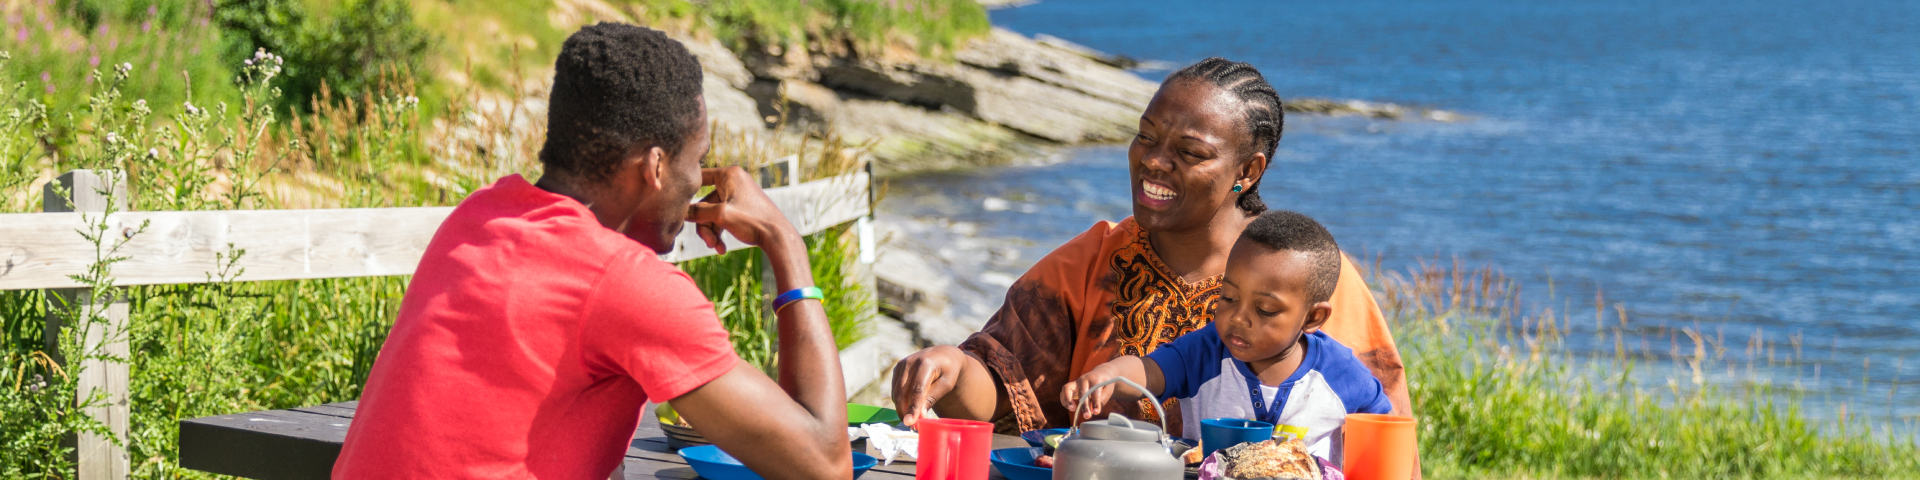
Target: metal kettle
[{"x": 1117, "y": 448}]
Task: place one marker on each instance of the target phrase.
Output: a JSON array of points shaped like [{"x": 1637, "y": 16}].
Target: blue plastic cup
[{"x": 1218, "y": 433}]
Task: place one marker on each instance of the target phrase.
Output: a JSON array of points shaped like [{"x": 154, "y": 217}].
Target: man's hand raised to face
[{"x": 736, "y": 206}]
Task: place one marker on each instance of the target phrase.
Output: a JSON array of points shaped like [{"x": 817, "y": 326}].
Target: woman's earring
[{"x": 1236, "y": 188}]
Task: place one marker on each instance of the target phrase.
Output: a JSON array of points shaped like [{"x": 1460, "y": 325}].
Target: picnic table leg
[{"x": 99, "y": 457}]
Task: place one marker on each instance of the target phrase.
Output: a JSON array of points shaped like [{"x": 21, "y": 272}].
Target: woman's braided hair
[{"x": 1261, "y": 104}]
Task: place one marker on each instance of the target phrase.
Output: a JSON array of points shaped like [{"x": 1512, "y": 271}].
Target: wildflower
[
  {"x": 111, "y": 138},
  {"x": 247, "y": 62},
  {"x": 153, "y": 153},
  {"x": 191, "y": 110}
]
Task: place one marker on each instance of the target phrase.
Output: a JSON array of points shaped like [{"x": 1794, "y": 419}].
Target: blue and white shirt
[{"x": 1330, "y": 383}]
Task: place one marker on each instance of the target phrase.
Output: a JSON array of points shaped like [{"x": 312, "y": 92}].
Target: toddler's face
[{"x": 1263, "y": 306}]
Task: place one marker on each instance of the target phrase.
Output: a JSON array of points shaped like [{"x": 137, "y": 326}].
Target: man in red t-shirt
[{"x": 540, "y": 320}]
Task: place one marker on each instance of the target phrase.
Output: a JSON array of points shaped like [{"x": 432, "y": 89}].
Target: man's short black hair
[
  {"x": 1283, "y": 231},
  {"x": 618, "y": 88}
]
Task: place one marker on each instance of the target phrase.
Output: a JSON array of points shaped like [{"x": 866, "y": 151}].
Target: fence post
[{"x": 98, "y": 457}]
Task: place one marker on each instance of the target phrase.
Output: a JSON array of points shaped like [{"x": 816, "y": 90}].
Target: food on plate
[
  {"x": 1043, "y": 461},
  {"x": 667, "y": 416},
  {"x": 1192, "y": 456},
  {"x": 1278, "y": 459}
]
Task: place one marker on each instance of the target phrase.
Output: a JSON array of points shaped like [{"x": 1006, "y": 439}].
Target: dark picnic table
[{"x": 302, "y": 443}]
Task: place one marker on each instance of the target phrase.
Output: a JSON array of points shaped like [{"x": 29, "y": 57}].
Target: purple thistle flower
[
  {"x": 94, "y": 61},
  {"x": 153, "y": 10},
  {"x": 146, "y": 26}
]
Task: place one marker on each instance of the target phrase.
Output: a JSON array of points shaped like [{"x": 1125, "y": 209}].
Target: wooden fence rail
[{"x": 40, "y": 250}]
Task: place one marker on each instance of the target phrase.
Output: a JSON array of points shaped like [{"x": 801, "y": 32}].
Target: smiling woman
[{"x": 1127, "y": 287}]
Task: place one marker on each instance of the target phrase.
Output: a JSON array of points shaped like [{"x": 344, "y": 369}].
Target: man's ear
[
  {"x": 1317, "y": 317},
  {"x": 653, "y": 167},
  {"x": 1255, "y": 168}
]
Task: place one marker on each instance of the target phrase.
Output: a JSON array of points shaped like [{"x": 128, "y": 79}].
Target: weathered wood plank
[
  {"x": 271, "y": 445},
  {"x": 299, "y": 444},
  {"x": 39, "y": 250}
]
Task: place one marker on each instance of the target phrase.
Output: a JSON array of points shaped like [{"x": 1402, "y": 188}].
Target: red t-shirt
[{"x": 529, "y": 341}]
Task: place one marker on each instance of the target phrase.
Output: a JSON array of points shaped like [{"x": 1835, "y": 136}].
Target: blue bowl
[
  {"x": 1017, "y": 464},
  {"x": 1037, "y": 438},
  {"x": 713, "y": 464}
]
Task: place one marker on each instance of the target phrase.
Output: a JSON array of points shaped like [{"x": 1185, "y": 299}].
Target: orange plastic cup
[{"x": 1379, "y": 447}]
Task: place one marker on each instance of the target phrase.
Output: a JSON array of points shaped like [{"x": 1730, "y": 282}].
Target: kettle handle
[{"x": 1083, "y": 402}]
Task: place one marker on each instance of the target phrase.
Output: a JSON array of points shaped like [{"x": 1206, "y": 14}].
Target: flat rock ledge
[{"x": 1001, "y": 98}]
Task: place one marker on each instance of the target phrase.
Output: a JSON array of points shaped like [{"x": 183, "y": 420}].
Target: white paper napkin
[{"x": 889, "y": 442}]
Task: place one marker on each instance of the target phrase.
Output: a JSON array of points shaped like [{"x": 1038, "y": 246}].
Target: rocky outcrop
[
  {"x": 998, "y": 98},
  {"x": 725, "y": 83}
]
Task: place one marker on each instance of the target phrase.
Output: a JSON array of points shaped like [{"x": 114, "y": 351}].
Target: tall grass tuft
[{"x": 1498, "y": 395}]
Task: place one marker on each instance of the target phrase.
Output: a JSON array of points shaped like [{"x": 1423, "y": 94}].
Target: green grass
[
  {"x": 56, "y": 44},
  {"x": 1499, "y": 396}
]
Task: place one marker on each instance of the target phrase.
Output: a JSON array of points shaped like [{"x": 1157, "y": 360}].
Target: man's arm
[{"x": 796, "y": 428}]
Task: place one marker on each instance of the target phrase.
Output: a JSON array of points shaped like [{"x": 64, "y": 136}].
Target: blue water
[{"x": 1733, "y": 166}]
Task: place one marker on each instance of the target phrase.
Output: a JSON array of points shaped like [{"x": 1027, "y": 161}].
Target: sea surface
[{"x": 1744, "y": 168}]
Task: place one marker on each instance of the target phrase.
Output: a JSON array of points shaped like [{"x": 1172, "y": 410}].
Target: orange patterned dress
[{"x": 1105, "y": 294}]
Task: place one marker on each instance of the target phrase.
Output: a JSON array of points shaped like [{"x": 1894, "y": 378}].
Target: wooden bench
[{"x": 302, "y": 443}]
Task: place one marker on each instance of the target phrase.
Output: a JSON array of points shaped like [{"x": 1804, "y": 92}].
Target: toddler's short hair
[{"x": 1284, "y": 230}]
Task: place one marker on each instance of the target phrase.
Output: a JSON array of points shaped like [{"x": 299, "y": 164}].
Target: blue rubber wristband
[{"x": 796, "y": 295}]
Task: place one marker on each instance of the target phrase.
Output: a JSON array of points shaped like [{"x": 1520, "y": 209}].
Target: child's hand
[{"x": 1070, "y": 395}]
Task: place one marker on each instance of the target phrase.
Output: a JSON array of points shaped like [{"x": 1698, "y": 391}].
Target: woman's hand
[{"x": 947, "y": 380}]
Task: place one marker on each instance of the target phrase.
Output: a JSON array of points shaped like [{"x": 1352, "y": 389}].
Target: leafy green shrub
[{"x": 347, "y": 53}]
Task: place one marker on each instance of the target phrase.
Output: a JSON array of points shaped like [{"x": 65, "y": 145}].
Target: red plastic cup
[
  {"x": 1379, "y": 447},
  {"x": 953, "y": 449}
]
